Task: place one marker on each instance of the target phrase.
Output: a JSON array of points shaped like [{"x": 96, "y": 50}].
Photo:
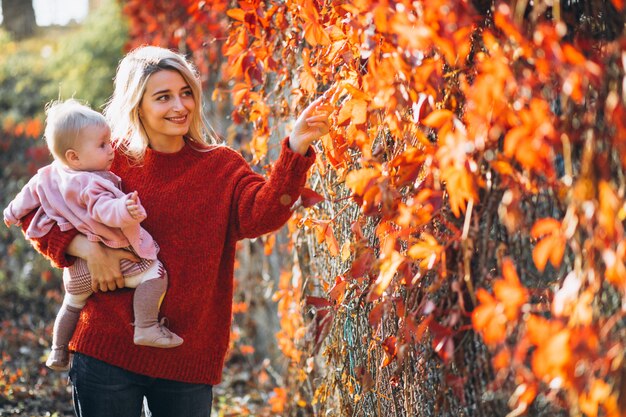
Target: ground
[{"x": 29, "y": 389}]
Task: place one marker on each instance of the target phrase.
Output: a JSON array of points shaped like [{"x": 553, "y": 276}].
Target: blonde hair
[
  {"x": 122, "y": 110},
  {"x": 64, "y": 121}
]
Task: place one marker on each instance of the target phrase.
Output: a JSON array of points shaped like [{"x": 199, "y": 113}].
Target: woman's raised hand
[{"x": 311, "y": 125}]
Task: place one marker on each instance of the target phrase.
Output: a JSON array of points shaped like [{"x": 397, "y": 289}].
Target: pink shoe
[
  {"x": 58, "y": 359},
  {"x": 156, "y": 335}
]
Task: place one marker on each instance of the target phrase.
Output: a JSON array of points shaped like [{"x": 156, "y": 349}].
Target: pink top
[{"x": 91, "y": 202}]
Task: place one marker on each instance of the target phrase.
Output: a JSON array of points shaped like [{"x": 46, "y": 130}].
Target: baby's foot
[
  {"x": 58, "y": 359},
  {"x": 156, "y": 335}
]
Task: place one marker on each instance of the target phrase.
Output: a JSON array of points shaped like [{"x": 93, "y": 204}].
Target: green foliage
[
  {"x": 84, "y": 64},
  {"x": 62, "y": 63}
]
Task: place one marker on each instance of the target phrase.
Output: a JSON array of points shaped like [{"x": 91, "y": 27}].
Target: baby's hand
[{"x": 134, "y": 207}]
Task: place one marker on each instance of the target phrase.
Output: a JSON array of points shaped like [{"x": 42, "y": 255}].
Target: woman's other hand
[
  {"x": 103, "y": 262},
  {"x": 311, "y": 125}
]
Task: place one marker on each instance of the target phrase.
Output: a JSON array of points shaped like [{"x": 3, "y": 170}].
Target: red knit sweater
[{"x": 199, "y": 204}]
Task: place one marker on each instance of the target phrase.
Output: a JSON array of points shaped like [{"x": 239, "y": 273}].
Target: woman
[{"x": 200, "y": 200}]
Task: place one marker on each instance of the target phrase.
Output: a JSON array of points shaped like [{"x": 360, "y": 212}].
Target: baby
[{"x": 77, "y": 190}]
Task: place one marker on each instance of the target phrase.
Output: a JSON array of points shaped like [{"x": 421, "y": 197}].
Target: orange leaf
[
  {"x": 438, "y": 118},
  {"x": 427, "y": 250},
  {"x": 488, "y": 318},
  {"x": 360, "y": 180},
  {"x": 308, "y": 82},
  {"x": 337, "y": 292},
  {"x": 460, "y": 187},
  {"x": 388, "y": 269},
  {"x": 509, "y": 291},
  {"x": 315, "y": 34},
  {"x": 599, "y": 396},
  {"x": 573, "y": 56},
  {"x": 390, "y": 347},
  {"x": 513, "y": 138},
  {"x": 237, "y": 14},
  {"x": 550, "y": 360},
  {"x": 324, "y": 233},
  {"x": 550, "y": 248},
  {"x": 354, "y": 111},
  {"x": 545, "y": 226},
  {"x": 278, "y": 399}
]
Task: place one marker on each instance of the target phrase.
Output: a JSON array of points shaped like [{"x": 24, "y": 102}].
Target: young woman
[{"x": 200, "y": 199}]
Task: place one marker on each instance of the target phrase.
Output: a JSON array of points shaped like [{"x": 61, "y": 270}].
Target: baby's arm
[
  {"x": 24, "y": 202},
  {"x": 112, "y": 210},
  {"x": 134, "y": 207}
]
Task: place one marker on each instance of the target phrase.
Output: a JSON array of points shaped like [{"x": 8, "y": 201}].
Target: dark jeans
[{"x": 103, "y": 390}]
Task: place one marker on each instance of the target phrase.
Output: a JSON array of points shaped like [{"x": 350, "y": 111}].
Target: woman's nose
[{"x": 178, "y": 104}]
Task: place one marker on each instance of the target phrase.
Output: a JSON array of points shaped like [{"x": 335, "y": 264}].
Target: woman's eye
[
  {"x": 187, "y": 93},
  {"x": 162, "y": 98}
]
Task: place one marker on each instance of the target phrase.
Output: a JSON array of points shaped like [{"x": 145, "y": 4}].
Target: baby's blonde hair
[
  {"x": 64, "y": 121},
  {"x": 122, "y": 110}
]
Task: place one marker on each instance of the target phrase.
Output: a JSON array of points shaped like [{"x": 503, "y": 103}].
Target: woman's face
[{"x": 166, "y": 109}]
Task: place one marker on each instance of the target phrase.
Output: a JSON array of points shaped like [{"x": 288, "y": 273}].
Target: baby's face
[{"x": 94, "y": 149}]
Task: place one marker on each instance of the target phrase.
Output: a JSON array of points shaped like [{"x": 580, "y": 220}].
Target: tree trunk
[{"x": 19, "y": 18}]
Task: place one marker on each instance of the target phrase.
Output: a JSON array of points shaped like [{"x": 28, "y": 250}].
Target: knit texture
[{"x": 199, "y": 203}]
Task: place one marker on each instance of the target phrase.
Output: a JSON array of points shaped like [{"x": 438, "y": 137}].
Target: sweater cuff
[
  {"x": 54, "y": 244},
  {"x": 296, "y": 164}
]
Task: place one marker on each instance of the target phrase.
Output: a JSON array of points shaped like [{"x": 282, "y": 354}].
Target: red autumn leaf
[
  {"x": 376, "y": 314},
  {"x": 362, "y": 263},
  {"x": 442, "y": 341},
  {"x": 318, "y": 302},
  {"x": 309, "y": 197}
]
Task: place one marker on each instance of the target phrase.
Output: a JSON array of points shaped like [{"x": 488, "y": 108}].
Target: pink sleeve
[
  {"x": 24, "y": 202},
  {"x": 105, "y": 207}
]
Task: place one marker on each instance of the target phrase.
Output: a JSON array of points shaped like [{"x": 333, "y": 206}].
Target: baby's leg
[
  {"x": 64, "y": 326},
  {"x": 146, "y": 301}
]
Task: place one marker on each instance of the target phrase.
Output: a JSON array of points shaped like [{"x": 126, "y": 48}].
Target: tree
[
  {"x": 19, "y": 18},
  {"x": 462, "y": 250}
]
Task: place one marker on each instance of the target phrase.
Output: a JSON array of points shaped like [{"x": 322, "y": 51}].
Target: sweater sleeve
[
  {"x": 23, "y": 203},
  {"x": 54, "y": 244},
  {"x": 261, "y": 206}
]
